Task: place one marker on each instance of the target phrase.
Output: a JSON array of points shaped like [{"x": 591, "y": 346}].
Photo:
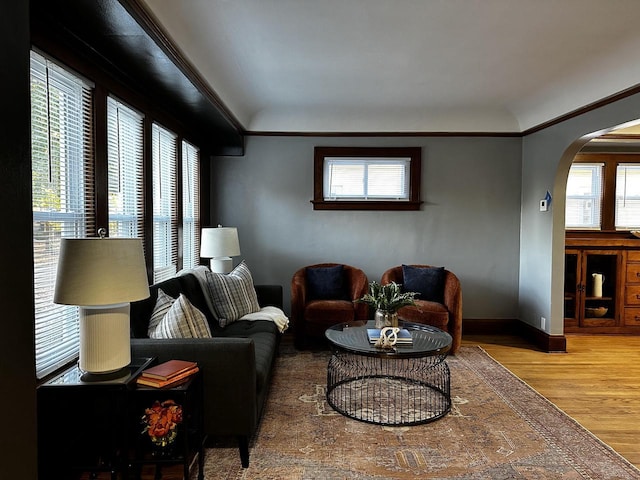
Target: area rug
[{"x": 498, "y": 428}]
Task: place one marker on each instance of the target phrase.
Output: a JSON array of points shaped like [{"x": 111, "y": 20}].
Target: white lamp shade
[
  {"x": 101, "y": 271},
  {"x": 219, "y": 242}
]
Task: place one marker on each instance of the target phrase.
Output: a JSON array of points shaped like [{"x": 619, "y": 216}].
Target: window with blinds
[
  {"x": 62, "y": 197},
  {"x": 190, "y": 205},
  {"x": 366, "y": 178},
  {"x": 584, "y": 196},
  {"x": 627, "y": 211},
  {"x": 165, "y": 222},
  {"x": 125, "y": 144}
]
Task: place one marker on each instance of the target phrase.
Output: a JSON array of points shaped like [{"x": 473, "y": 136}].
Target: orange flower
[{"x": 162, "y": 419}]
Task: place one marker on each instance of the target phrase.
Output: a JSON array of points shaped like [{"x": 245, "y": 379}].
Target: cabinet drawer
[
  {"x": 632, "y": 316},
  {"x": 632, "y": 295},
  {"x": 633, "y": 256},
  {"x": 633, "y": 272}
]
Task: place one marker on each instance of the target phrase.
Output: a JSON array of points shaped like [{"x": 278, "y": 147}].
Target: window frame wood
[
  {"x": 610, "y": 161},
  {"x": 412, "y": 204}
]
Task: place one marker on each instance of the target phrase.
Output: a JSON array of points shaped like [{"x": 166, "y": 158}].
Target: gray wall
[{"x": 469, "y": 223}]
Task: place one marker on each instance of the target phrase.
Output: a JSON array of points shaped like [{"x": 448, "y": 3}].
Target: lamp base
[
  {"x": 105, "y": 345},
  {"x": 105, "y": 377},
  {"x": 221, "y": 264}
]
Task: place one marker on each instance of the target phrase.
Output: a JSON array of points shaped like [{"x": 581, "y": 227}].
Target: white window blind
[
  {"x": 165, "y": 222},
  {"x": 584, "y": 196},
  {"x": 62, "y": 198},
  {"x": 628, "y": 196},
  {"x": 366, "y": 178},
  {"x": 125, "y": 136},
  {"x": 190, "y": 206}
]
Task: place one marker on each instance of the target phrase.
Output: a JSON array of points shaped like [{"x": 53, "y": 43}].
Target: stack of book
[
  {"x": 404, "y": 336},
  {"x": 167, "y": 374}
]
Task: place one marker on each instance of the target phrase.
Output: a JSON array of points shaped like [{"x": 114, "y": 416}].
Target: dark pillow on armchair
[
  {"x": 326, "y": 283},
  {"x": 427, "y": 281}
]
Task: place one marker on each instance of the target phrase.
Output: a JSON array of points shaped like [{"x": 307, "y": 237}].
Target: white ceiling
[{"x": 406, "y": 65}]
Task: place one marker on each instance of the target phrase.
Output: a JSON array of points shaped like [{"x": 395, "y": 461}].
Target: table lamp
[
  {"x": 220, "y": 244},
  {"x": 101, "y": 276}
]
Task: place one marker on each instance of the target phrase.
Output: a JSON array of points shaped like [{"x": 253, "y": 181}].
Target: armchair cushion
[
  {"x": 326, "y": 283},
  {"x": 329, "y": 312},
  {"x": 427, "y": 281},
  {"x": 432, "y": 313}
]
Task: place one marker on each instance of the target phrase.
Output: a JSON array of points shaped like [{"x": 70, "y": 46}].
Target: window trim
[
  {"x": 413, "y": 203},
  {"x": 610, "y": 160}
]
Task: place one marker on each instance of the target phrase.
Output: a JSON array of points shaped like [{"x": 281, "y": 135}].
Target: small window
[
  {"x": 584, "y": 196},
  {"x": 190, "y": 205},
  {"x": 62, "y": 191},
  {"x": 125, "y": 149},
  {"x": 628, "y": 196},
  {"x": 165, "y": 216},
  {"x": 367, "y": 178}
]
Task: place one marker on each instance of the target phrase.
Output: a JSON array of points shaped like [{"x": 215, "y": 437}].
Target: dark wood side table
[
  {"x": 189, "y": 440},
  {"x": 82, "y": 422}
]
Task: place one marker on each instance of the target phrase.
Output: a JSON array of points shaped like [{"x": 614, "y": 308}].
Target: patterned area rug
[{"x": 498, "y": 428}]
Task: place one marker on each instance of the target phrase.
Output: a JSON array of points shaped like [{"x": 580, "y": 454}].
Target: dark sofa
[{"x": 236, "y": 363}]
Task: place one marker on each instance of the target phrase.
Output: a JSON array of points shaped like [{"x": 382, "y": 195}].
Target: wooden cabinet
[{"x": 617, "y": 308}]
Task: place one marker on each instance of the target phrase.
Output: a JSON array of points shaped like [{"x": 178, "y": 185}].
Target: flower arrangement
[
  {"x": 161, "y": 421},
  {"x": 389, "y": 298}
]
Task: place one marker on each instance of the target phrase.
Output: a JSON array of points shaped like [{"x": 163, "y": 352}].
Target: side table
[
  {"x": 82, "y": 424},
  {"x": 189, "y": 440}
]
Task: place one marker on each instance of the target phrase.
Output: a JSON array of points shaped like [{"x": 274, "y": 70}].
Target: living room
[{"x": 480, "y": 217}]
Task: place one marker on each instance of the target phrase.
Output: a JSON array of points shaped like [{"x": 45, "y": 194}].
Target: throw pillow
[
  {"x": 326, "y": 283},
  {"x": 163, "y": 304},
  {"x": 427, "y": 281},
  {"x": 182, "y": 320},
  {"x": 233, "y": 294}
]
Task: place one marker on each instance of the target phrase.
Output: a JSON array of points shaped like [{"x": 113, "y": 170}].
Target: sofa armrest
[
  {"x": 228, "y": 368},
  {"x": 269, "y": 295}
]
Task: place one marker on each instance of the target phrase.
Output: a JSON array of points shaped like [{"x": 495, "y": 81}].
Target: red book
[
  {"x": 175, "y": 380},
  {"x": 168, "y": 370}
]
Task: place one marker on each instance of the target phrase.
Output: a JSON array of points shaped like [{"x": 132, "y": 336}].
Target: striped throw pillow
[
  {"x": 182, "y": 320},
  {"x": 233, "y": 294},
  {"x": 163, "y": 304}
]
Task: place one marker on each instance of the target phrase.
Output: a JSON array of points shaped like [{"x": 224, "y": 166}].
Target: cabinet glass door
[
  {"x": 600, "y": 288},
  {"x": 572, "y": 287}
]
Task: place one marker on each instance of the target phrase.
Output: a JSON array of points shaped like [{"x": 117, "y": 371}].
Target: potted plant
[{"x": 387, "y": 300}]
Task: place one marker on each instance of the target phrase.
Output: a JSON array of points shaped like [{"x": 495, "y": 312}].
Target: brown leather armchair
[
  {"x": 446, "y": 316},
  {"x": 312, "y": 312}
]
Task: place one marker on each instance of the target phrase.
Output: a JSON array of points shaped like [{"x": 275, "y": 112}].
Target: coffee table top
[{"x": 426, "y": 340}]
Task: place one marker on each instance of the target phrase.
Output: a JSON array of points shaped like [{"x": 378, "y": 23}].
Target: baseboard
[
  {"x": 546, "y": 342},
  {"x": 487, "y": 326}
]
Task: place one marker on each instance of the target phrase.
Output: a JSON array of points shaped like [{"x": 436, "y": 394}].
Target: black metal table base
[{"x": 389, "y": 391}]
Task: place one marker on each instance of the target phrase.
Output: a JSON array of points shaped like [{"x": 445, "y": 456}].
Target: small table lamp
[
  {"x": 220, "y": 244},
  {"x": 102, "y": 275}
]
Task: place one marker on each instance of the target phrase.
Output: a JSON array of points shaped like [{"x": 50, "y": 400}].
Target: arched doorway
[{"x": 597, "y": 245}]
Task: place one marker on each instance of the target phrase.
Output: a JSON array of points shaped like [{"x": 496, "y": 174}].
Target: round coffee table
[{"x": 406, "y": 385}]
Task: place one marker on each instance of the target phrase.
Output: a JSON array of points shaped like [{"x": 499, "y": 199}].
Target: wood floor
[{"x": 597, "y": 382}]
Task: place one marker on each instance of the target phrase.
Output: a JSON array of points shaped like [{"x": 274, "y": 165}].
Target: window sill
[{"x": 366, "y": 205}]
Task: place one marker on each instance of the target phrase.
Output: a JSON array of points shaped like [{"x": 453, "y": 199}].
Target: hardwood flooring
[{"x": 597, "y": 382}]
